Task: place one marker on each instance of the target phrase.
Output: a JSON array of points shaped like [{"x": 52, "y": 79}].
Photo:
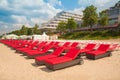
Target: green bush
[
  {"x": 105, "y": 34},
  {"x": 95, "y": 33}
]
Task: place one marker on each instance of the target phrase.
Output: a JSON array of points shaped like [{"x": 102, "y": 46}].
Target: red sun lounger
[
  {"x": 101, "y": 52},
  {"x": 24, "y": 44},
  {"x": 19, "y": 44},
  {"x": 35, "y": 48},
  {"x": 40, "y": 52},
  {"x": 113, "y": 47},
  {"x": 73, "y": 45},
  {"x": 39, "y": 47},
  {"x": 89, "y": 47},
  {"x": 66, "y": 44},
  {"x": 30, "y": 46},
  {"x": 71, "y": 58},
  {"x": 40, "y": 59}
]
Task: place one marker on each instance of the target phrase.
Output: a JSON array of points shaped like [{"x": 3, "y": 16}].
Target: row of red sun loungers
[{"x": 50, "y": 53}]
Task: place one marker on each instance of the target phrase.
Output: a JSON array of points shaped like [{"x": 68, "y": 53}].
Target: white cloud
[
  {"x": 29, "y": 7},
  {"x": 5, "y": 26},
  {"x": 49, "y": 10},
  {"x": 55, "y": 2},
  {"x": 8, "y": 27},
  {"x": 26, "y": 3},
  {"x": 28, "y": 12},
  {"x": 17, "y": 26},
  {"x": 3, "y": 3},
  {"x": 100, "y": 4},
  {"x": 84, "y": 3},
  {"x": 19, "y": 19},
  {"x": 104, "y": 4},
  {"x": 37, "y": 20},
  {"x": 78, "y": 10}
]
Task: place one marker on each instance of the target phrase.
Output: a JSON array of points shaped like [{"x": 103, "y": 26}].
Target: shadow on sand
[
  {"x": 46, "y": 69},
  {"x": 34, "y": 64},
  {"x": 43, "y": 68}
]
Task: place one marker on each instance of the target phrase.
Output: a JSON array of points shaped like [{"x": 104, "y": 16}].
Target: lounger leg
[
  {"x": 110, "y": 54},
  {"x": 81, "y": 61}
]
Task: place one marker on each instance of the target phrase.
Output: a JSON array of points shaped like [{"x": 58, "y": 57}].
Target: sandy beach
[{"x": 15, "y": 66}]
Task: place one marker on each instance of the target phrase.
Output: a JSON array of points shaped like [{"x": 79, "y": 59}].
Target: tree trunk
[{"x": 91, "y": 29}]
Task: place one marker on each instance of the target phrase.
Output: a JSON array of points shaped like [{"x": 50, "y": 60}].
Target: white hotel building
[{"x": 62, "y": 16}]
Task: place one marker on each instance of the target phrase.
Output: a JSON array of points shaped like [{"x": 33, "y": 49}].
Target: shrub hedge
[{"x": 105, "y": 34}]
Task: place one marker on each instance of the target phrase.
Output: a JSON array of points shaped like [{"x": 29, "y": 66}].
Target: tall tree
[
  {"x": 17, "y": 32},
  {"x": 29, "y": 31},
  {"x": 90, "y": 16},
  {"x": 35, "y": 29},
  {"x": 71, "y": 24},
  {"x": 61, "y": 27},
  {"x": 23, "y": 30},
  {"x": 103, "y": 20}
]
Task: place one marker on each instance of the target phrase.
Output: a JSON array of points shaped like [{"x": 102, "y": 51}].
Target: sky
[{"x": 15, "y": 13}]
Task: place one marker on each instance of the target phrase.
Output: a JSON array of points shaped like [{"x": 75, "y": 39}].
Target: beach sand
[{"x": 15, "y": 66}]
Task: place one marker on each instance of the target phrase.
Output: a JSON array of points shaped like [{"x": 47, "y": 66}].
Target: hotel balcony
[{"x": 113, "y": 16}]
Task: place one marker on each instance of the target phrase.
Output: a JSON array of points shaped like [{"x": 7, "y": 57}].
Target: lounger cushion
[
  {"x": 41, "y": 58},
  {"x": 36, "y": 52},
  {"x": 30, "y": 50},
  {"x": 71, "y": 54},
  {"x": 58, "y": 60},
  {"x": 95, "y": 53},
  {"x": 84, "y": 50},
  {"x": 22, "y": 49}
]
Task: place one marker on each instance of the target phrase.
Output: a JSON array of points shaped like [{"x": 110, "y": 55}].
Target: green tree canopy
[
  {"x": 61, "y": 27},
  {"x": 71, "y": 24},
  {"x": 90, "y": 16},
  {"x": 103, "y": 18},
  {"x": 29, "y": 31},
  {"x": 24, "y": 30},
  {"x": 35, "y": 29},
  {"x": 17, "y": 32}
]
